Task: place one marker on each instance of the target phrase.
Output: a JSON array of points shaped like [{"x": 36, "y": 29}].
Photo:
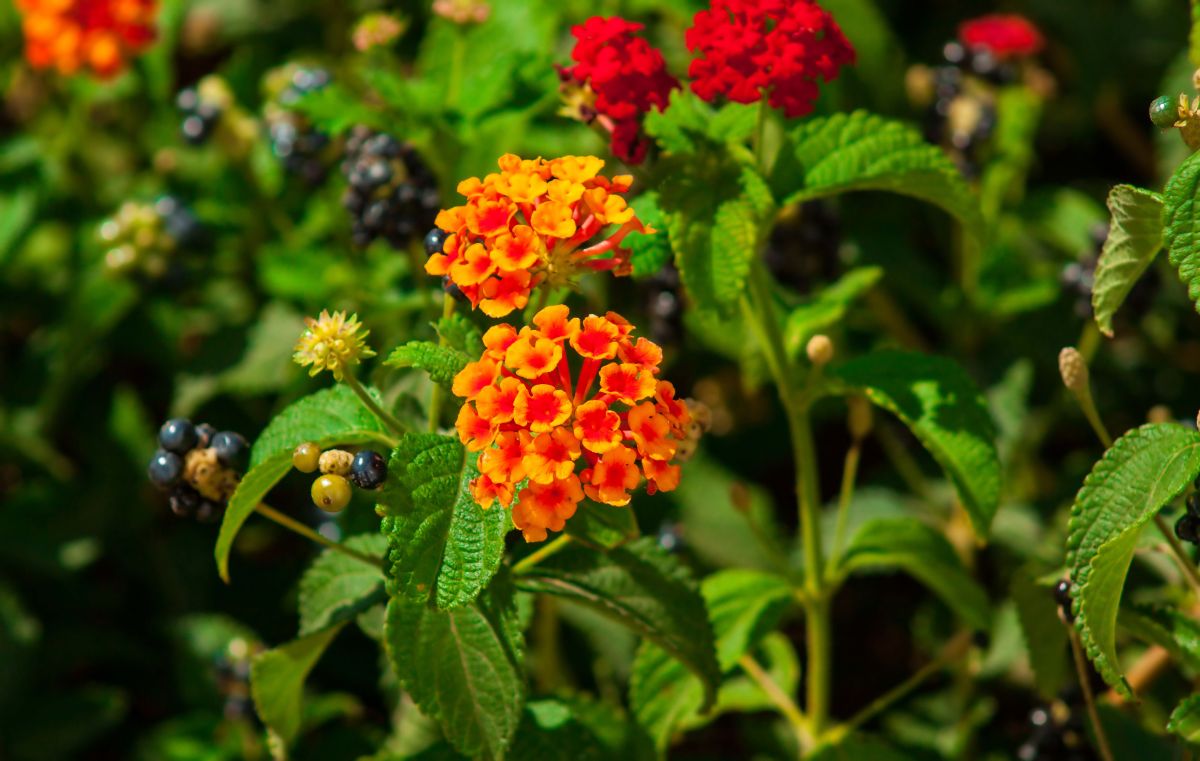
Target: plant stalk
[
  {"x": 291, "y": 524},
  {"x": 1089, "y": 697},
  {"x": 541, "y": 553},
  {"x": 388, "y": 419},
  {"x": 435, "y": 395},
  {"x": 783, "y": 702}
]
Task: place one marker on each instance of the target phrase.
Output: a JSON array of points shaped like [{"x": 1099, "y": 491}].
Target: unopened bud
[
  {"x": 1073, "y": 369},
  {"x": 819, "y": 349},
  {"x": 1159, "y": 413},
  {"x": 859, "y": 417}
]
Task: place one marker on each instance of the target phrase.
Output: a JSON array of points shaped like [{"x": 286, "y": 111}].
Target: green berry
[
  {"x": 1163, "y": 112},
  {"x": 306, "y": 457},
  {"x": 331, "y": 493}
]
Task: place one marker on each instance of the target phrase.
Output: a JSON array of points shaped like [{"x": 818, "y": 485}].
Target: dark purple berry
[
  {"x": 184, "y": 501},
  {"x": 232, "y": 450},
  {"x": 369, "y": 470},
  {"x": 204, "y": 434},
  {"x": 178, "y": 435},
  {"x": 434, "y": 240},
  {"x": 208, "y": 511},
  {"x": 165, "y": 469},
  {"x": 1187, "y": 528},
  {"x": 451, "y": 288}
]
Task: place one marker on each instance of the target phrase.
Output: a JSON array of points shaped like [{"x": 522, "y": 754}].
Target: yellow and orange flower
[
  {"x": 593, "y": 420},
  {"x": 98, "y": 35},
  {"x": 534, "y": 222}
]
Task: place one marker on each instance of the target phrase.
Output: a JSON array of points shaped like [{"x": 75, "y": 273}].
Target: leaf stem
[
  {"x": 368, "y": 402},
  {"x": 1185, "y": 563},
  {"x": 541, "y": 553},
  {"x": 1089, "y": 697},
  {"x": 849, "y": 473},
  {"x": 783, "y": 702},
  {"x": 435, "y": 395},
  {"x": 296, "y": 526}
]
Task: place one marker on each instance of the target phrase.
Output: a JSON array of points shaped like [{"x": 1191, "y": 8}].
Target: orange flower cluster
[
  {"x": 100, "y": 35},
  {"x": 531, "y": 223},
  {"x": 531, "y": 414}
]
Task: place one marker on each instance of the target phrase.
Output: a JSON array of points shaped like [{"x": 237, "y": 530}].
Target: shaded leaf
[
  {"x": 827, "y": 307},
  {"x": 650, "y": 251},
  {"x": 1134, "y": 237},
  {"x": 1045, "y": 636},
  {"x": 277, "y": 681},
  {"x": 336, "y": 587},
  {"x": 1181, "y": 224},
  {"x": 1185, "y": 719}
]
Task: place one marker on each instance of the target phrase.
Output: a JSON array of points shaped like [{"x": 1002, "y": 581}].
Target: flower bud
[
  {"x": 819, "y": 349},
  {"x": 1073, "y": 369}
]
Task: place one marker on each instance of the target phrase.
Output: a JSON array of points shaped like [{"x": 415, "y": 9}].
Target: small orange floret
[
  {"x": 473, "y": 267},
  {"x": 552, "y": 455},
  {"x": 546, "y": 506},
  {"x": 613, "y": 477},
  {"x": 474, "y": 431},
  {"x": 518, "y": 250},
  {"x": 661, "y": 476},
  {"x": 553, "y": 219},
  {"x": 556, "y": 324},
  {"x": 543, "y": 408},
  {"x": 650, "y": 432},
  {"x": 626, "y": 383},
  {"x": 597, "y": 338},
  {"x": 475, "y": 377},
  {"x": 597, "y": 427},
  {"x": 497, "y": 403},
  {"x": 531, "y": 357},
  {"x": 484, "y": 491},
  {"x": 498, "y": 338},
  {"x": 644, "y": 353},
  {"x": 509, "y": 293},
  {"x": 506, "y": 461}
]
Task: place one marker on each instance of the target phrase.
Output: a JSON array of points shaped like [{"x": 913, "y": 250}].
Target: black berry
[
  {"x": 208, "y": 511},
  {"x": 204, "y": 434},
  {"x": 165, "y": 469},
  {"x": 178, "y": 435},
  {"x": 392, "y": 194},
  {"x": 232, "y": 450},
  {"x": 1187, "y": 528},
  {"x": 451, "y": 288},
  {"x": 1062, "y": 592},
  {"x": 434, "y": 240},
  {"x": 369, "y": 470},
  {"x": 184, "y": 501},
  {"x": 1163, "y": 112}
]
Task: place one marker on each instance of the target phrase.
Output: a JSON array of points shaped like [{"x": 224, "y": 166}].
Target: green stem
[
  {"x": 1181, "y": 557},
  {"x": 1089, "y": 697},
  {"x": 291, "y": 524},
  {"x": 435, "y": 396},
  {"x": 541, "y": 553},
  {"x": 389, "y": 420},
  {"x": 457, "y": 55},
  {"x": 783, "y": 702},
  {"x": 759, "y": 138},
  {"x": 849, "y": 473}
]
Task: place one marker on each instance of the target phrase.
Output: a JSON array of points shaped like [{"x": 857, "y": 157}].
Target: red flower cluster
[
  {"x": 98, "y": 34},
  {"x": 623, "y": 75},
  {"x": 750, "y": 46},
  {"x": 532, "y": 415},
  {"x": 1004, "y": 36}
]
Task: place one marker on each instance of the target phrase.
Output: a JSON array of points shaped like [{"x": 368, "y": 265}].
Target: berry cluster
[
  {"x": 1057, "y": 733},
  {"x": 209, "y": 109},
  {"x": 531, "y": 413},
  {"x": 339, "y": 469},
  {"x": 617, "y": 78},
  {"x": 294, "y": 141},
  {"x": 960, "y": 107},
  {"x": 144, "y": 238},
  {"x": 1187, "y": 528},
  {"x": 232, "y": 667},
  {"x": 778, "y": 47},
  {"x": 391, "y": 194},
  {"x": 198, "y": 466},
  {"x": 530, "y": 223},
  {"x": 99, "y": 35}
]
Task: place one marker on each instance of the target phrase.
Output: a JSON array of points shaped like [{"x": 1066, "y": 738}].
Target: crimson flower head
[
  {"x": 568, "y": 407},
  {"x": 1004, "y": 36},
  {"x": 778, "y": 47},
  {"x": 617, "y": 78},
  {"x": 99, "y": 35}
]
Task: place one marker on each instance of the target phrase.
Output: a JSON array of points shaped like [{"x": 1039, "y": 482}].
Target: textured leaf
[
  {"x": 336, "y": 588},
  {"x": 575, "y": 729},
  {"x": 277, "y": 680},
  {"x": 650, "y": 251},
  {"x": 443, "y": 546},
  {"x": 328, "y": 417},
  {"x": 1134, "y": 237},
  {"x": 602, "y": 526},
  {"x": 741, "y": 694},
  {"x": 828, "y": 307},
  {"x": 1144, "y": 470},
  {"x": 462, "y": 667},
  {"x": 1181, "y": 224},
  {"x": 441, "y": 362},
  {"x": 1185, "y": 719},
  {"x": 862, "y": 151},
  {"x": 1045, "y": 637},
  {"x": 943, "y": 408},
  {"x": 460, "y": 333},
  {"x": 642, "y": 587},
  {"x": 907, "y": 544},
  {"x": 743, "y": 606},
  {"x": 1170, "y": 628}
]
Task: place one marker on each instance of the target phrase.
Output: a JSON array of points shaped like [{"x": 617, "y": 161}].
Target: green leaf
[
  {"x": 460, "y": 333},
  {"x": 858, "y": 748},
  {"x": 441, "y": 362},
  {"x": 328, "y": 417},
  {"x": 907, "y": 544},
  {"x": 861, "y": 151},
  {"x": 1181, "y": 224},
  {"x": 1044, "y": 634},
  {"x": 277, "y": 680},
  {"x": 1134, "y": 237},
  {"x": 1143, "y": 471},
  {"x": 682, "y": 126},
  {"x": 443, "y": 546},
  {"x": 650, "y": 251},
  {"x": 743, "y": 606},
  {"x": 462, "y": 667},
  {"x": 333, "y": 109},
  {"x": 1169, "y": 628},
  {"x": 1185, "y": 719},
  {"x": 336, "y": 587},
  {"x": 642, "y": 587},
  {"x": 1194, "y": 35},
  {"x": 940, "y": 403},
  {"x": 603, "y": 526},
  {"x": 828, "y": 307}
]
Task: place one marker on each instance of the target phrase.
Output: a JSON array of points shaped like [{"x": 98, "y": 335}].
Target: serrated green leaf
[
  {"x": 682, "y": 125},
  {"x": 336, "y": 587},
  {"x": 940, "y": 403},
  {"x": 1134, "y": 237},
  {"x": 907, "y": 544},
  {"x": 444, "y": 547},
  {"x": 462, "y": 667},
  {"x": 739, "y": 693},
  {"x": 642, "y": 587},
  {"x": 861, "y": 151},
  {"x": 1185, "y": 719},
  {"x": 328, "y": 417},
  {"x": 461, "y": 334},
  {"x": 1142, "y": 471},
  {"x": 650, "y": 251},
  {"x": 828, "y": 307},
  {"x": 277, "y": 681},
  {"x": 441, "y": 362},
  {"x": 743, "y": 606},
  {"x": 1181, "y": 224},
  {"x": 1045, "y": 636}
]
